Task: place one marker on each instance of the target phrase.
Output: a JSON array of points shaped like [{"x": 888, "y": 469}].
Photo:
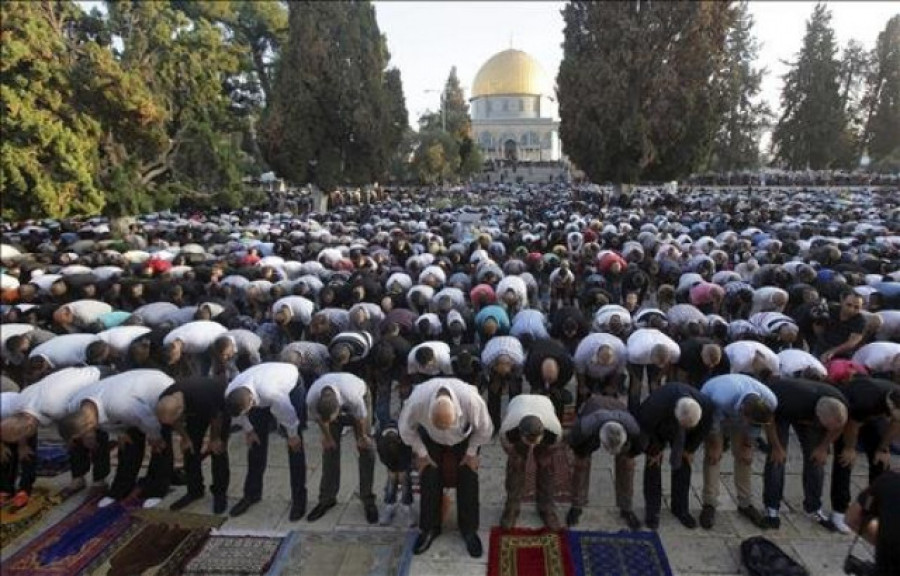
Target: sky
[{"x": 427, "y": 38}]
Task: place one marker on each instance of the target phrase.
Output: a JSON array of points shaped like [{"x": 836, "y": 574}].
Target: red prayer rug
[{"x": 528, "y": 552}]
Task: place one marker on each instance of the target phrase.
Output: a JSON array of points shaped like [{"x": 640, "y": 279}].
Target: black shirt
[
  {"x": 867, "y": 397},
  {"x": 692, "y": 362},
  {"x": 656, "y": 415},
  {"x": 797, "y": 398},
  {"x": 204, "y": 397},
  {"x": 838, "y": 331},
  {"x": 885, "y": 494}
]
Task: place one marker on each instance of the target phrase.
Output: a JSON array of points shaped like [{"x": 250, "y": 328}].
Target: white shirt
[
  {"x": 180, "y": 316},
  {"x": 65, "y": 350},
  {"x": 7, "y": 331},
  {"x": 642, "y": 342},
  {"x": 741, "y": 354},
  {"x": 531, "y": 405},
  {"x": 587, "y": 350},
  {"x": 10, "y": 403},
  {"x": 531, "y": 322},
  {"x": 121, "y": 337},
  {"x": 890, "y": 327},
  {"x": 473, "y": 420},
  {"x": 301, "y": 308},
  {"x": 792, "y": 362},
  {"x": 762, "y": 299},
  {"x": 271, "y": 384},
  {"x": 155, "y": 313},
  {"x": 350, "y": 391},
  {"x": 604, "y": 315},
  {"x": 442, "y": 364},
  {"x": 48, "y": 399},
  {"x": 196, "y": 336},
  {"x": 878, "y": 356},
  {"x": 126, "y": 400},
  {"x": 88, "y": 311}
]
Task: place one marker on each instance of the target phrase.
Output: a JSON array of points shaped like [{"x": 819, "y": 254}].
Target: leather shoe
[
  {"x": 686, "y": 520},
  {"x": 708, "y": 517},
  {"x": 220, "y": 503},
  {"x": 242, "y": 506},
  {"x": 320, "y": 510},
  {"x": 473, "y": 544},
  {"x": 371, "y": 512},
  {"x": 631, "y": 519},
  {"x": 751, "y": 514},
  {"x": 573, "y": 516},
  {"x": 297, "y": 512},
  {"x": 424, "y": 540},
  {"x": 652, "y": 521},
  {"x": 184, "y": 501}
]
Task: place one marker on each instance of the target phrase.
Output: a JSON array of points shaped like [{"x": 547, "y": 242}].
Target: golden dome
[{"x": 511, "y": 72}]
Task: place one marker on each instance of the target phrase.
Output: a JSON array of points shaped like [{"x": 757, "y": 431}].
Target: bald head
[
  {"x": 711, "y": 354},
  {"x": 550, "y": 370},
  {"x": 170, "y": 408},
  {"x": 443, "y": 412},
  {"x": 660, "y": 355}
]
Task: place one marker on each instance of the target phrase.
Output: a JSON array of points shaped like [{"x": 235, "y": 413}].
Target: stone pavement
[{"x": 714, "y": 552}]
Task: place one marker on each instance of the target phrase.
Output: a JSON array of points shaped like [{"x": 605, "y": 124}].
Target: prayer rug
[
  {"x": 527, "y": 552},
  {"x": 346, "y": 553},
  {"x": 563, "y": 460},
  {"x": 52, "y": 459},
  {"x": 77, "y": 544},
  {"x": 618, "y": 554},
  {"x": 235, "y": 554},
  {"x": 14, "y": 523},
  {"x": 162, "y": 544}
]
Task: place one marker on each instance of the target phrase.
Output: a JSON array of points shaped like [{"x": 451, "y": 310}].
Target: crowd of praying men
[{"x": 722, "y": 319}]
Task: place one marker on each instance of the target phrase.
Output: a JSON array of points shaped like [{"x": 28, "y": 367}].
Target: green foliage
[
  {"x": 882, "y": 100},
  {"x": 332, "y": 101},
  {"x": 640, "y": 86},
  {"x": 444, "y": 149},
  {"x": 736, "y": 145},
  {"x": 121, "y": 126},
  {"x": 436, "y": 158},
  {"x": 48, "y": 154},
  {"x": 811, "y": 132}
]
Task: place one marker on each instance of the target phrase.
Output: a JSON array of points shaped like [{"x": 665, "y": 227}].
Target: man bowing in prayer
[{"x": 446, "y": 417}]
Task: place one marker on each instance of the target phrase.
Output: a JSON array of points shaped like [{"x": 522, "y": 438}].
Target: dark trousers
[
  {"x": 681, "y": 486},
  {"x": 809, "y": 436},
  {"x": 193, "y": 461},
  {"x": 869, "y": 438},
  {"x": 331, "y": 466},
  {"x": 131, "y": 455},
  {"x": 515, "y": 476},
  {"x": 611, "y": 385},
  {"x": 97, "y": 460},
  {"x": 495, "y": 386},
  {"x": 432, "y": 488},
  {"x": 258, "y": 454},
  {"x": 636, "y": 383},
  {"x": 23, "y": 469}
]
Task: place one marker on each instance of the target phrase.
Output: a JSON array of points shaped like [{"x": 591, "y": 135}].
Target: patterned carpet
[
  {"x": 77, "y": 544},
  {"x": 346, "y": 553},
  {"x": 526, "y": 552},
  {"x": 235, "y": 554},
  {"x": 14, "y": 523},
  {"x": 161, "y": 545},
  {"x": 618, "y": 554}
]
